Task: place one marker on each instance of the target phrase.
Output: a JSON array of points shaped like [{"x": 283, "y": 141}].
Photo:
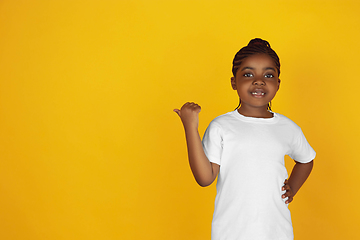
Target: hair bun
[{"x": 259, "y": 43}]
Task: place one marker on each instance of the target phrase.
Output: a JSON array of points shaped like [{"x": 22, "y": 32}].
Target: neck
[{"x": 260, "y": 112}]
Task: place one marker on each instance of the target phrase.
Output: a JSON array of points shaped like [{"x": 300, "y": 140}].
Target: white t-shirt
[{"x": 250, "y": 152}]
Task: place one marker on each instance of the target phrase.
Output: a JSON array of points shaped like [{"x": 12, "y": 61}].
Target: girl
[{"x": 245, "y": 149}]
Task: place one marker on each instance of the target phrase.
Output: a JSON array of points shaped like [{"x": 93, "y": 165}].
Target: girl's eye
[
  {"x": 248, "y": 75},
  {"x": 269, "y": 76}
]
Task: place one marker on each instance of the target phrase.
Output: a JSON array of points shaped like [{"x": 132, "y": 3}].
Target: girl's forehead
[{"x": 259, "y": 59}]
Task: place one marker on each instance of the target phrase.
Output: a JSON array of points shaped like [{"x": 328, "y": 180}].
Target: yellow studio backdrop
[{"x": 90, "y": 147}]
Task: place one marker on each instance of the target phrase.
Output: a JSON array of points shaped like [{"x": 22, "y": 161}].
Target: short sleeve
[
  {"x": 213, "y": 143},
  {"x": 301, "y": 151}
]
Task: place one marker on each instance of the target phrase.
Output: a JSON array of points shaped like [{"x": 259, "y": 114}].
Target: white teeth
[{"x": 255, "y": 93}]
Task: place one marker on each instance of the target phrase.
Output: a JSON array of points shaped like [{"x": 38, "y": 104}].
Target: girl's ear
[
  {"x": 233, "y": 83},
  {"x": 279, "y": 84}
]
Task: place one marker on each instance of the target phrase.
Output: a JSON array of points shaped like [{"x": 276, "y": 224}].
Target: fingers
[
  {"x": 188, "y": 106},
  {"x": 286, "y": 182},
  {"x": 288, "y": 194},
  {"x": 191, "y": 105},
  {"x": 194, "y": 107},
  {"x": 289, "y": 200},
  {"x": 286, "y": 186}
]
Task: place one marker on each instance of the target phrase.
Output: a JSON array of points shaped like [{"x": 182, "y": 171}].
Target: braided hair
[{"x": 255, "y": 46}]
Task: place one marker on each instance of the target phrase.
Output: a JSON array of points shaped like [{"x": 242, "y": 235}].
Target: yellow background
[{"x": 90, "y": 147}]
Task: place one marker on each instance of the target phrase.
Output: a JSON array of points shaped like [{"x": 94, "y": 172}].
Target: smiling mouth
[{"x": 258, "y": 93}]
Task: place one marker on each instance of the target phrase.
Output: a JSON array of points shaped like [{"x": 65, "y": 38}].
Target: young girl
[{"x": 245, "y": 149}]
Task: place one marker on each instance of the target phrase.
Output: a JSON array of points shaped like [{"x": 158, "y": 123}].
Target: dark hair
[{"x": 255, "y": 46}]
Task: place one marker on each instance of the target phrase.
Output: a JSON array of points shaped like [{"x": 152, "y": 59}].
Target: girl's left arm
[{"x": 298, "y": 176}]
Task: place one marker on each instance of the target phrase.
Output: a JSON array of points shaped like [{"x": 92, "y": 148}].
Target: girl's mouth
[{"x": 258, "y": 93}]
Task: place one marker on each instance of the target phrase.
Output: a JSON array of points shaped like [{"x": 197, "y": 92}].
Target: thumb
[{"x": 177, "y": 111}]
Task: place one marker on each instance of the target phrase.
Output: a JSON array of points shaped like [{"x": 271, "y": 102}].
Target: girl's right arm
[{"x": 203, "y": 170}]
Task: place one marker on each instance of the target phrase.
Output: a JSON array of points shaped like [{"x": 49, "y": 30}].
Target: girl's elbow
[{"x": 204, "y": 182}]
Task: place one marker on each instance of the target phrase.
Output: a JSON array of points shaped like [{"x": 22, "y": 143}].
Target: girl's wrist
[{"x": 190, "y": 127}]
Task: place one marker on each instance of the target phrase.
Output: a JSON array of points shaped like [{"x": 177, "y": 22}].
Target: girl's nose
[{"x": 259, "y": 82}]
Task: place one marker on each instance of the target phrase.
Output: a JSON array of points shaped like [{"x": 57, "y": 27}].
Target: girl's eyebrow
[
  {"x": 266, "y": 68},
  {"x": 247, "y": 68},
  {"x": 270, "y": 68}
]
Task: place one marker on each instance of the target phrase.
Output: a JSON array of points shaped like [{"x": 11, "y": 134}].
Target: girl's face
[{"x": 256, "y": 81}]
